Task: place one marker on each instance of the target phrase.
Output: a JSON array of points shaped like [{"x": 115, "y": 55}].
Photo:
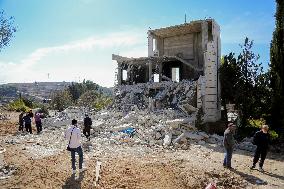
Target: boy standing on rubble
[
  {"x": 87, "y": 126},
  {"x": 261, "y": 140},
  {"x": 38, "y": 123},
  {"x": 21, "y": 121},
  {"x": 31, "y": 114},
  {"x": 73, "y": 135},
  {"x": 28, "y": 123},
  {"x": 229, "y": 143}
]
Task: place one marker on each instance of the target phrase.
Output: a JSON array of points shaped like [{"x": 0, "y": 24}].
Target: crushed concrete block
[
  {"x": 217, "y": 137},
  {"x": 193, "y": 136},
  {"x": 204, "y": 135},
  {"x": 188, "y": 108},
  {"x": 211, "y": 141},
  {"x": 201, "y": 142},
  {"x": 158, "y": 136},
  {"x": 248, "y": 146},
  {"x": 167, "y": 139},
  {"x": 179, "y": 138}
]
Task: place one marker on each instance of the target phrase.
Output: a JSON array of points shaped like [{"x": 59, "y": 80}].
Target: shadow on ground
[{"x": 74, "y": 182}]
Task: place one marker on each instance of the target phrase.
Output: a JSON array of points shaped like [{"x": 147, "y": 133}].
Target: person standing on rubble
[
  {"x": 38, "y": 123},
  {"x": 21, "y": 121},
  {"x": 229, "y": 143},
  {"x": 87, "y": 126},
  {"x": 261, "y": 140},
  {"x": 28, "y": 123},
  {"x": 31, "y": 114},
  {"x": 73, "y": 134}
]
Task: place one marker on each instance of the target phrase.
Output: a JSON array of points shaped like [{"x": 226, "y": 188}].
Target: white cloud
[
  {"x": 111, "y": 40},
  {"x": 56, "y": 59}
]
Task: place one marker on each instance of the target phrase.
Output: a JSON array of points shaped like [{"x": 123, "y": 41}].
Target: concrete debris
[
  {"x": 64, "y": 118},
  {"x": 247, "y": 145},
  {"x": 98, "y": 168},
  {"x": 167, "y": 139},
  {"x": 2, "y": 150},
  {"x": 151, "y": 114},
  {"x": 155, "y": 96},
  {"x": 4, "y": 116},
  {"x": 7, "y": 171}
]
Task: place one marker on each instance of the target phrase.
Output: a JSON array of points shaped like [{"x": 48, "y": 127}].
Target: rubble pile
[
  {"x": 141, "y": 126},
  {"x": 148, "y": 113},
  {"x": 247, "y": 145},
  {"x": 167, "y": 127},
  {"x": 49, "y": 143},
  {"x": 152, "y": 95},
  {"x": 65, "y": 117},
  {"x": 152, "y": 114}
]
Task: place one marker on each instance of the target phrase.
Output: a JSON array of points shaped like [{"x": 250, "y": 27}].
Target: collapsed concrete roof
[
  {"x": 192, "y": 27},
  {"x": 154, "y": 59}
]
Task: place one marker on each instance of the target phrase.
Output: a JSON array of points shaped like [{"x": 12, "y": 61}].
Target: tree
[
  {"x": 229, "y": 77},
  {"x": 277, "y": 69},
  {"x": 244, "y": 83},
  {"x": 88, "y": 98},
  {"x": 249, "y": 73},
  {"x": 7, "y": 29},
  {"x": 77, "y": 89},
  {"x": 61, "y": 100},
  {"x": 95, "y": 100}
]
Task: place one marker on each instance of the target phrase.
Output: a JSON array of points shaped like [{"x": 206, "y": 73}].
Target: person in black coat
[
  {"x": 21, "y": 121},
  {"x": 87, "y": 126},
  {"x": 261, "y": 140},
  {"x": 28, "y": 123}
]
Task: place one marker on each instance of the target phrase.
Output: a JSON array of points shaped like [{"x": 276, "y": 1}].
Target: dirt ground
[{"x": 125, "y": 166}]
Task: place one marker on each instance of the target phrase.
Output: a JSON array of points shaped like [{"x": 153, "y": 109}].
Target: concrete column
[
  {"x": 119, "y": 74},
  {"x": 150, "y": 45},
  {"x": 160, "y": 71},
  {"x": 150, "y": 70}
]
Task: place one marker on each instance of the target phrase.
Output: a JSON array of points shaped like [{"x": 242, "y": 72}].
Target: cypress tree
[{"x": 277, "y": 69}]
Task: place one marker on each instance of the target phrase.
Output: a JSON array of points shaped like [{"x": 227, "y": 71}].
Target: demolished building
[{"x": 181, "y": 70}]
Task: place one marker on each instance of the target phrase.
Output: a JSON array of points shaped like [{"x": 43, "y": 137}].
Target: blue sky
[{"x": 73, "y": 39}]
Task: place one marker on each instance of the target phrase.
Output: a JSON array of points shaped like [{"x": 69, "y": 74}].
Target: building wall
[
  {"x": 212, "y": 103},
  {"x": 203, "y": 50}
]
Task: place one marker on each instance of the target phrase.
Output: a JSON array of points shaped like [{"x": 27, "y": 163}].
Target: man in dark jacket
[
  {"x": 261, "y": 140},
  {"x": 31, "y": 114},
  {"x": 21, "y": 121},
  {"x": 229, "y": 143},
  {"x": 28, "y": 123},
  {"x": 87, "y": 126}
]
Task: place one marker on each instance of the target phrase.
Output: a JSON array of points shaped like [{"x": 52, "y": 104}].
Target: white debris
[{"x": 167, "y": 139}]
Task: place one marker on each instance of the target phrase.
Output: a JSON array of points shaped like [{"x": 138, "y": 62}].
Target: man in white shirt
[{"x": 73, "y": 135}]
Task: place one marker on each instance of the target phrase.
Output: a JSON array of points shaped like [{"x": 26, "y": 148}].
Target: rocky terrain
[{"x": 128, "y": 160}]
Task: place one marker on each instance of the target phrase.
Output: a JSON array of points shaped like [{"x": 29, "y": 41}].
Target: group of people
[
  {"x": 26, "y": 119},
  {"x": 260, "y": 139}
]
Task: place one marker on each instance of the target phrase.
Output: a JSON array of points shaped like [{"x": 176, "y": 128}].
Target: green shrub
[
  {"x": 28, "y": 102},
  {"x": 43, "y": 110},
  {"x": 61, "y": 100},
  {"x": 273, "y": 135},
  {"x": 95, "y": 100},
  {"x": 257, "y": 123},
  {"x": 18, "y": 105}
]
